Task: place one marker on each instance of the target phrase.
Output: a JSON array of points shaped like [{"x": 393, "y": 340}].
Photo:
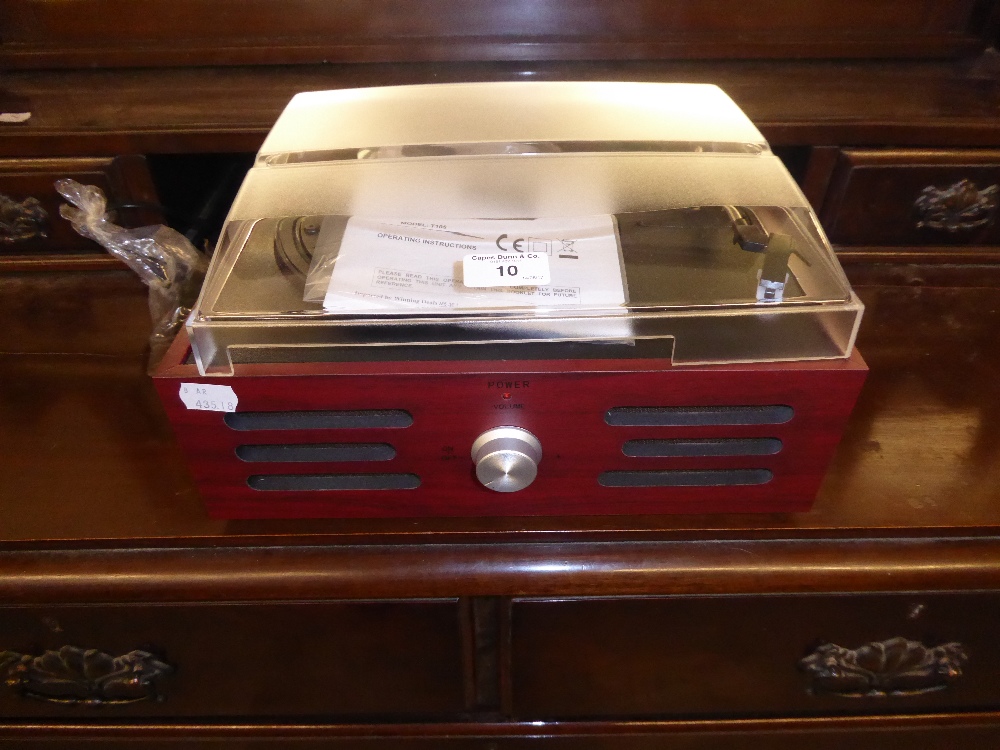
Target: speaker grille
[
  {"x": 317, "y": 420},
  {"x": 685, "y": 478},
  {"x": 696, "y": 416},
  {"x": 309, "y": 452},
  {"x": 708, "y": 447},
  {"x": 332, "y": 482}
]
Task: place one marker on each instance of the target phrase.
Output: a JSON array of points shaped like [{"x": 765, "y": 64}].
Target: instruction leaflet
[{"x": 387, "y": 266}]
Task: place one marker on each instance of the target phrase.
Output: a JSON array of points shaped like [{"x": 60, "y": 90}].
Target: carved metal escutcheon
[
  {"x": 962, "y": 206},
  {"x": 20, "y": 222},
  {"x": 84, "y": 676},
  {"x": 893, "y": 667}
]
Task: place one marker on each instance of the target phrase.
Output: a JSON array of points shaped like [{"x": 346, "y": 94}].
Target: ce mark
[{"x": 515, "y": 244}]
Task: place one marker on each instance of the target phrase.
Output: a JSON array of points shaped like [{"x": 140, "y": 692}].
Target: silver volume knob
[{"x": 506, "y": 458}]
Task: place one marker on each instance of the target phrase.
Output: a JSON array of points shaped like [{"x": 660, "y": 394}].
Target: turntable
[{"x": 507, "y": 299}]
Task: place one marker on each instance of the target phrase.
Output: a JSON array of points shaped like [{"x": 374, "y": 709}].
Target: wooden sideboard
[
  {"x": 682, "y": 631},
  {"x": 157, "y": 625}
]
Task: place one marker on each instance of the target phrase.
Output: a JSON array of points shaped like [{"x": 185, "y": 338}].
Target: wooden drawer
[
  {"x": 906, "y": 198},
  {"x": 336, "y": 659},
  {"x": 29, "y": 204},
  {"x": 742, "y": 656}
]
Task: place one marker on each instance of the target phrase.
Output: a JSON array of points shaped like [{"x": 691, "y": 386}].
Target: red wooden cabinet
[{"x": 601, "y": 425}]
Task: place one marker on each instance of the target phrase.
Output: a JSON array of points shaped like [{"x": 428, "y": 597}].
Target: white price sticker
[
  {"x": 207, "y": 397},
  {"x": 502, "y": 269}
]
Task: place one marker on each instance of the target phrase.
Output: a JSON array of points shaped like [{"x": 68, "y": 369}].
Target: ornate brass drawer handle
[
  {"x": 84, "y": 676},
  {"x": 20, "y": 222},
  {"x": 893, "y": 667},
  {"x": 962, "y": 206}
]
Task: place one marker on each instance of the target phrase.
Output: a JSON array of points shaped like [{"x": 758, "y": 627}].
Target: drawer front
[
  {"x": 740, "y": 656},
  {"x": 30, "y": 224},
  {"x": 899, "y": 198},
  {"x": 336, "y": 659}
]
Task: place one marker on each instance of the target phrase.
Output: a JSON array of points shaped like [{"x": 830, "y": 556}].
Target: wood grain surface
[
  {"x": 929, "y": 732},
  {"x": 793, "y": 102},
  {"x": 195, "y": 32}
]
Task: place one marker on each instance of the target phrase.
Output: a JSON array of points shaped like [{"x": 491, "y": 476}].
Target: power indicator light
[{"x": 505, "y": 396}]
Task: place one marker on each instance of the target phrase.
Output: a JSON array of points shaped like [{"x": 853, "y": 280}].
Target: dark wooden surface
[
  {"x": 197, "y": 32},
  {"x": 872, "y": 195},
  {"x": 635, "y": 658},
  {"x": 929, "y": 732},
  {"x": 178, "y": 110},
  {"x": 94, "y": 453},
  {"x": 342, "y": 659}
]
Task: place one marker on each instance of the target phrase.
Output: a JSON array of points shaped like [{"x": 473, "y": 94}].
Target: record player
[{"x": 510, "y": 299}]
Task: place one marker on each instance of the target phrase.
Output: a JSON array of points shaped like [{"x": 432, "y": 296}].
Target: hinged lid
[{"x": 374, "y": 219}]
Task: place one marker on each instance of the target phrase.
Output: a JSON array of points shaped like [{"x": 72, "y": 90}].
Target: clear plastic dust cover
[{"x": 510, "y": 220}]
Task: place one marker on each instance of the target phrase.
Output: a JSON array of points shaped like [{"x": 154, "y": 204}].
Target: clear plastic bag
[{"x": 163, "y": 258}]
